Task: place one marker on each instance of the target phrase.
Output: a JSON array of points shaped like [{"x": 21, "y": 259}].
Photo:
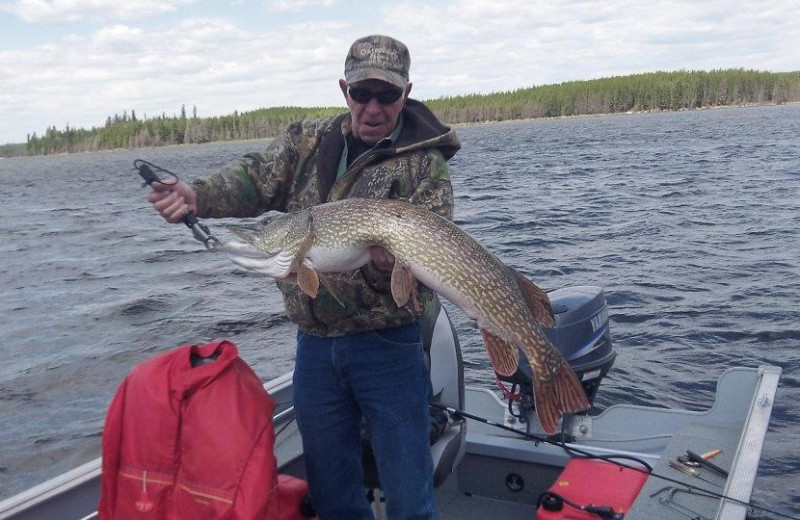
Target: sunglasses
[{"x": 364, "y": 96}]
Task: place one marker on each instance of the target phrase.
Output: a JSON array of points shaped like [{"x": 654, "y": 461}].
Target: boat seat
[{"x": 448, "y": 438}]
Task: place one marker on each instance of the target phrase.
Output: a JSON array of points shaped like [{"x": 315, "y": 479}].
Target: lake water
[{"x": 688, "y": 220}]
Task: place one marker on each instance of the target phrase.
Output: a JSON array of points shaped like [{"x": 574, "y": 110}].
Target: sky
[{"x": 77, "y": 62}]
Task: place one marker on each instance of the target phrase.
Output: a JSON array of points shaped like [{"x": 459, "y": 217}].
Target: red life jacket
[{"x": 184, "y": 442}]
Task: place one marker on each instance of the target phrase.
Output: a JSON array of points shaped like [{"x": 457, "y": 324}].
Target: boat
[{"x": 494, "y": 461}]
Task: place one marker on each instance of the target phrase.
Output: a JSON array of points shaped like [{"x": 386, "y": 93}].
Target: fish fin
[
  {"x": 503, "y": 354},
  {"x": 329, "y": 287},
  {"x": 307, "y": 278},
  {"x": 536, "y": 299},
  {"x": 403, "y": 284},
  {"x": 560, "y": 392}
]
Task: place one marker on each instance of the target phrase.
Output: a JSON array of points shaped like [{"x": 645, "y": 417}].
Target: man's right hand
[{"x": 173, "y": 201}]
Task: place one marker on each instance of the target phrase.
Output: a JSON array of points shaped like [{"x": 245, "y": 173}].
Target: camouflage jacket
[{"x": 299, "y": 170}]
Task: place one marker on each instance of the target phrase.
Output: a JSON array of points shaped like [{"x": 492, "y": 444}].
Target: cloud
[
  {"x": 217, "y": 64},
  {"x": 239, "y": 58},
  {"x": 67, "y": 11},
  {"x": 295, "y": 6},
  {"x": 477, "y": 46}
]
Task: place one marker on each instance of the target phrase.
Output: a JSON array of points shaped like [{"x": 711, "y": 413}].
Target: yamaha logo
[{"x": 599, "y": 319}]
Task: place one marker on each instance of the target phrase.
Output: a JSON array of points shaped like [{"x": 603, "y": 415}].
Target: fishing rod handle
[
  {"x": 146, "y": 172},
  {"x": 149, "y": 176}
]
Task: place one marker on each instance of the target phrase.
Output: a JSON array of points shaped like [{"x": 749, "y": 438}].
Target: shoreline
[
  {"x": 627, "y": 113},
  {"x": 452, "y": 125}
]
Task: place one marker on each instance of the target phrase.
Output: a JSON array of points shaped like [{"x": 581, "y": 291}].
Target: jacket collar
[{"x": 420, "y": 129}]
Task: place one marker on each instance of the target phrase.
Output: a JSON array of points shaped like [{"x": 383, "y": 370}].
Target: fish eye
[{"x": 271, "y": 216}]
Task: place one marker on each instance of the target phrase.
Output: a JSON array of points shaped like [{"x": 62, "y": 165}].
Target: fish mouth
[
  {"x": 245, "y": 250},
  {"x": 276, "y": 262},
  {"x": 246, "y": 241}
]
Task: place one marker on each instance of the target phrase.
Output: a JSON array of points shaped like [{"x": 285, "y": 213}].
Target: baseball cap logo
[{"x": 379, "y": 53}]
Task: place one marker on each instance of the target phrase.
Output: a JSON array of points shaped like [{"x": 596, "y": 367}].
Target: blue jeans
[{"x": 380, "y": 376}]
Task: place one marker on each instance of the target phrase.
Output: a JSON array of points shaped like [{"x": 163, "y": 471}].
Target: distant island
[{"x": 654, "y": 91}]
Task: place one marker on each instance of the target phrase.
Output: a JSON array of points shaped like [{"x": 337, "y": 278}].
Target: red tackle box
[{"x": 593, "y": 482}]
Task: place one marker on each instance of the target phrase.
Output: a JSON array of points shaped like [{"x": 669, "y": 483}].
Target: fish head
[{"x": 270, "y": 246}]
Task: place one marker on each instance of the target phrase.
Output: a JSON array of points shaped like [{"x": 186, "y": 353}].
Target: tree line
[
  {"x": 132, "y": 132},
  {"x": 656, "y": 91}
]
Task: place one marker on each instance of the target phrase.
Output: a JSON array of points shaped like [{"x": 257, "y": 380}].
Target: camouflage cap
[{"x": 378, "y": 57}]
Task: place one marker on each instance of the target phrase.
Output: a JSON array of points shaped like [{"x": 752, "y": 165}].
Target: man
[{"x": 358, "y": 356}]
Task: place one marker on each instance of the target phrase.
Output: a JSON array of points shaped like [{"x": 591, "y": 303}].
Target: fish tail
[{"x": 561, "y": 393}]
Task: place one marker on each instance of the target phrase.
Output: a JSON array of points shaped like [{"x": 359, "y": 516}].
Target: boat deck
[
  {"x": 455, "y": 505},
  {"x": 452, "y": 503}
]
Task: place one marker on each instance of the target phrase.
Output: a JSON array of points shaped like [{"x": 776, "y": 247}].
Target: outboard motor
[{"x": 581, "y": 333}]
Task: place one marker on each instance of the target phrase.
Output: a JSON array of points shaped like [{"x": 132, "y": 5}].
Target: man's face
[{"x": 373, "y": 120}]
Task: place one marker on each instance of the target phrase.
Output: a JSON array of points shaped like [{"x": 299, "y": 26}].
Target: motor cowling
[{"x": 581, "y": 333}]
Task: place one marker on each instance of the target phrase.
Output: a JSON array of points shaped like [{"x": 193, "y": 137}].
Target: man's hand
[
  {"x": 173, "y": 201},
  {"x": 382, "y": 258}
]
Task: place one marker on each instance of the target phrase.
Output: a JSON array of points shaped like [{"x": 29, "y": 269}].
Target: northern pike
[{"x": 508, "y": 308}]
